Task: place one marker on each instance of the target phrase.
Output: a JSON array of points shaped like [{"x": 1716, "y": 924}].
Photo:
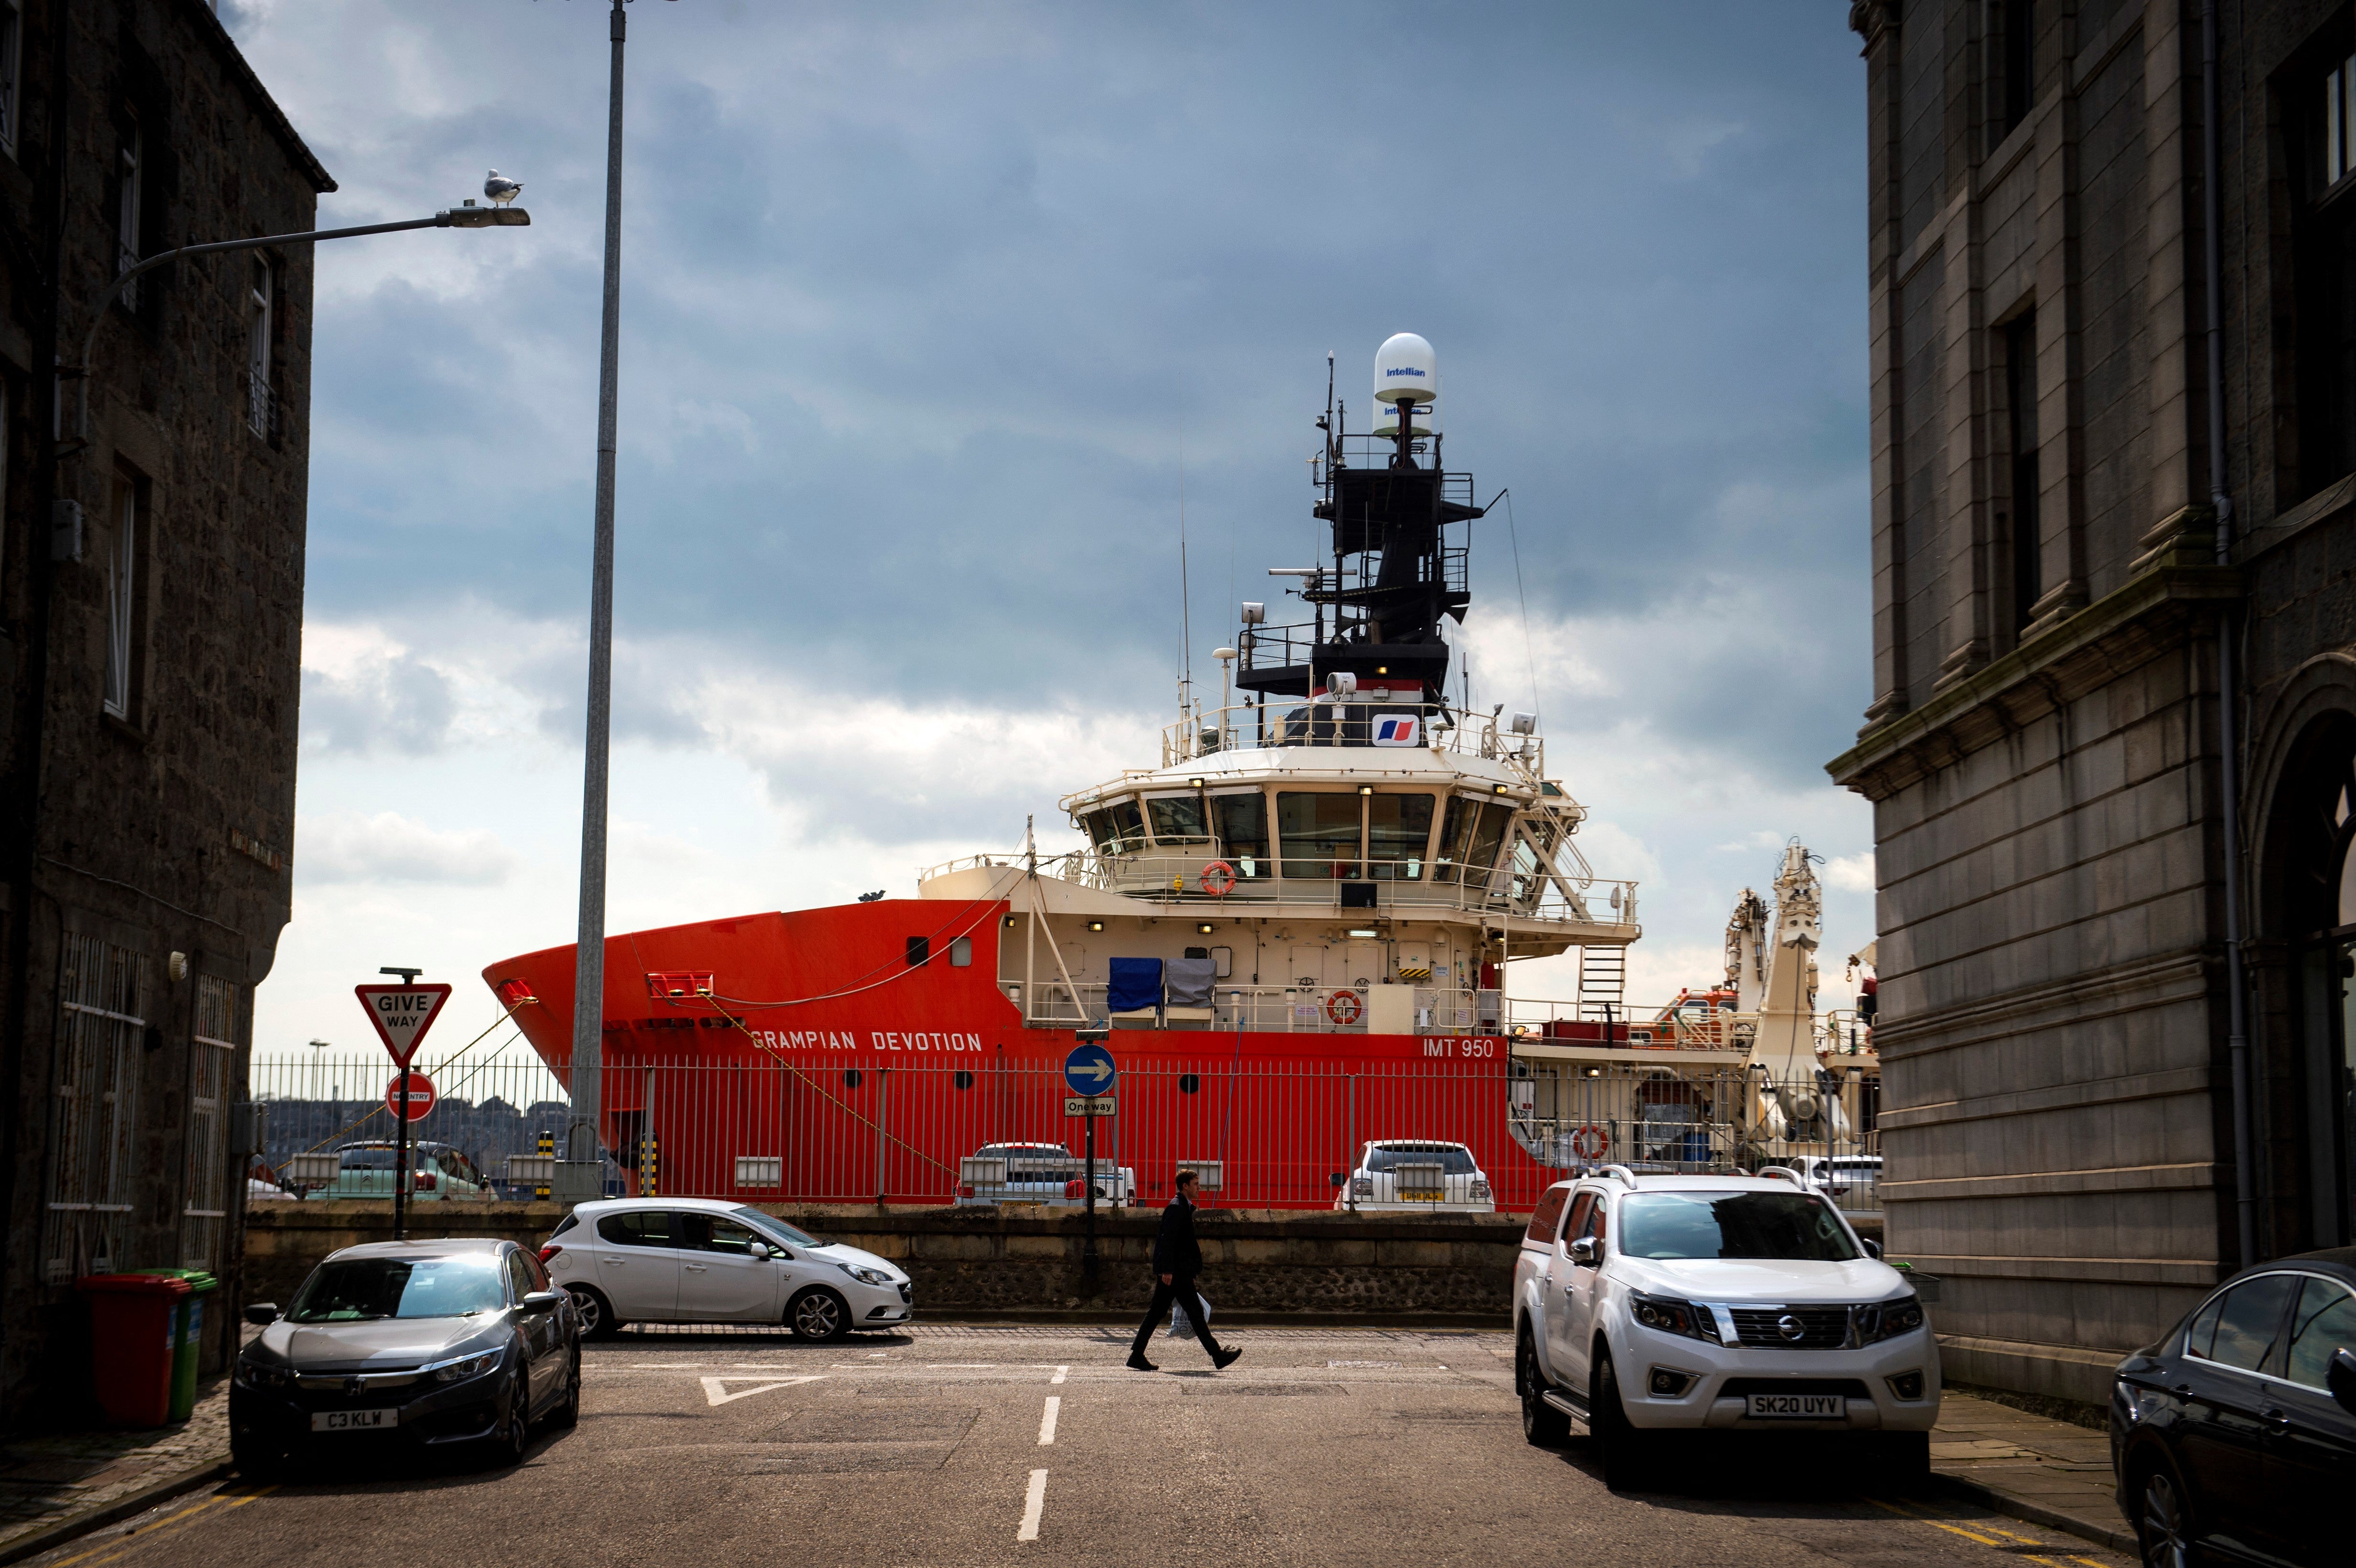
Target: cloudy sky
[{"x": 929, "y": 312}]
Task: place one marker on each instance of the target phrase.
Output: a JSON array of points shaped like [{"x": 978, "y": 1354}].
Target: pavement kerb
[
  {"x": 2017, "y": 1507},
  {"x": 115, "y": 1512}
]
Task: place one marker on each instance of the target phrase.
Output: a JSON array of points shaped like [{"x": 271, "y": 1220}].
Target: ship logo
[{"x": 1397, "y": 730}]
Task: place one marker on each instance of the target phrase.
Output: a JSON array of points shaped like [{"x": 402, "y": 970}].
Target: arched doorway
[{"x": 2311, "y": 893}]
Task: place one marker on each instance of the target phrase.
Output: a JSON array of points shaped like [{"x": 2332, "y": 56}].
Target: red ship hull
[{"x": 821, "y": 1049}]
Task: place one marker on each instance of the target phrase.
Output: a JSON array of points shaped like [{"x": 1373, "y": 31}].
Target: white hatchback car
[
  {"x": 1645, "y": 1305},
  {"x": 707, "y": 1260},
  {"x": 1419, "y": 1175}
]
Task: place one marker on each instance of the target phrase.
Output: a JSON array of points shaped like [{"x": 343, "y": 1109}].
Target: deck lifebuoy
[
  {"x": 1590, "y": 1143},
  {"x": 1344, "y": 1007},
  {"x": 1218, "y": 878}
]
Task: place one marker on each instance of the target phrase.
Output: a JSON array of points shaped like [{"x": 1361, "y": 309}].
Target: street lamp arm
[{"x": 449, "y": 218}]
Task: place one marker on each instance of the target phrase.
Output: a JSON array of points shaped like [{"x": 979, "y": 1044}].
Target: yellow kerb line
[{"x": 181, "y": 1519}]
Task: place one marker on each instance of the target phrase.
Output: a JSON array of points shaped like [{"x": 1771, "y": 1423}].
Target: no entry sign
[
  {"x": 403, "y": 1014},
  {"x": 420, "y": 1096}
]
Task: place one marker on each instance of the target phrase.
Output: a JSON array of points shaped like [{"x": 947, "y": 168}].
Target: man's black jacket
[{"x": 1174, "y": 1250}]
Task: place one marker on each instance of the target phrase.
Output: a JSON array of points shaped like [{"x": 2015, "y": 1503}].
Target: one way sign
[{"x": 403, "y": 1014}]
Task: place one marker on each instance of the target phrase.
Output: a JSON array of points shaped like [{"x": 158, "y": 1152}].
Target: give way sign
[{"x": 403, "y": 1014}]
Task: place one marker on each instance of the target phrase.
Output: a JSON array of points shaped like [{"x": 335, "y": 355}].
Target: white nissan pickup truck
[{"x": 1646, "y": 1304}]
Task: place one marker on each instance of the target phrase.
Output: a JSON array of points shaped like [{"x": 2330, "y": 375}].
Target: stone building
[
  {"x": 151, "y": 597},
  {"x": 2059, "y": 814}
]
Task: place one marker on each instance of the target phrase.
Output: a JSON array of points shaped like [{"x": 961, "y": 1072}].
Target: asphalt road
[{"x": 969, "y": 1446}]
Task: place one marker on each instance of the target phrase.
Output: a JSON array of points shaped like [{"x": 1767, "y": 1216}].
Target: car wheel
[
  {"x": 505, "y": 1447},
  {"x": 567, "y": 1409},
  {"x": 818, "y": 1314},
  {"x": 1626, "y": 1451},
  {"x": 1543, "y": 1426},
  {"x": 2163, "y": 1523},
  {"x": 255, "y": 1460},
  {"x": 597, "y": 1315}
]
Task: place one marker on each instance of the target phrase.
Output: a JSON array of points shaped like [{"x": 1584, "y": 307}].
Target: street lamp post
[
  {"x": 466, "y": 216},
  {"x": 587, "y": 1084}
]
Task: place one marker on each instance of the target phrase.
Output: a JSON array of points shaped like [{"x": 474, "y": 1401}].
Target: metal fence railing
[{"x": 1273, "y": 1135}]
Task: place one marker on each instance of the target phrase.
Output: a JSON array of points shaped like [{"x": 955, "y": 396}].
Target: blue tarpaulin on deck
[{"x": 1136, "y": 986}]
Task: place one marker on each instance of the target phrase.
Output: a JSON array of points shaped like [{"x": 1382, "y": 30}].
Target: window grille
[
  {"x": 261, "y": 407},
  {"x": 204, "y": 1206},
  {"x": 126, "y": 217},
  {"x": 121, "y": 586},
  {"x": 103, "y": 1019}
]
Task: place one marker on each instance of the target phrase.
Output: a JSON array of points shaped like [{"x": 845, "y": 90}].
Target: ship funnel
[{"x": 1405, "y": 370}]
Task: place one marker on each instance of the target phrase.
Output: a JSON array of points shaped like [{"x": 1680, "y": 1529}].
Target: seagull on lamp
[{"x": 501, "y": 190}]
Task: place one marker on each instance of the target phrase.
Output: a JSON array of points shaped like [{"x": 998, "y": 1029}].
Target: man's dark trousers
[{"x": 1180, "y": 1290}]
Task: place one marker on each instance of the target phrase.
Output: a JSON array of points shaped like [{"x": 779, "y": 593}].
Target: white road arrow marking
[{"x": 716, "y": 1392}]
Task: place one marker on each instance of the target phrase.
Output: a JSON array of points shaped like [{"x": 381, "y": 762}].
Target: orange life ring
[
  {"x": 1218, "y": 878},
  {"x": 1344, "y": 1007},
  {"x": 1590, "y": 1143}
]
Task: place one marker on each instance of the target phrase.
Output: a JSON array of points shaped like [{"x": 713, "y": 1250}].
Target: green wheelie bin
[{"x": 188, "y": 1335}]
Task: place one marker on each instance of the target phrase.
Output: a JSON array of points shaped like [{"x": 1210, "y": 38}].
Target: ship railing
[
  {"x": 1362, "y": 722},
  {"x": 919, "y": 1126},
  {"x": 1353, "y": 886},
  {"x": 1342, "y": 1008}
]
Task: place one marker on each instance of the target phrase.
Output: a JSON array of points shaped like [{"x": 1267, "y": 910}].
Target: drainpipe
[{"x": 2221, "y": 501}]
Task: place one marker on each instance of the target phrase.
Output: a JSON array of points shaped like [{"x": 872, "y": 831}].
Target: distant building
[
  {"x": 2043, "y": 748},
  {"x": 151, "y": 604}
]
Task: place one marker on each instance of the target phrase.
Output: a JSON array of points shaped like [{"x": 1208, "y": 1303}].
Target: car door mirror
[
  {"x": 2342, "y": 1377},
  {"x": 1872, "y": 1247},
  {"x": 267, "y": 1313},
  {"x": 1582, "y": 1251},
  {"x": 758, "y": 1250},
  {"x": 541, "y": 1301}
]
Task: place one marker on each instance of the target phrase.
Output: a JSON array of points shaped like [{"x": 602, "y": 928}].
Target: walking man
[{"x": 1177, "y": 1260}]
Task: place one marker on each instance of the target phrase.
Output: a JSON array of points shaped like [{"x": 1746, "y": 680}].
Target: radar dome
[
  {"x": 1405, "y": 370},
  {"x": 1427, "y": 419}
]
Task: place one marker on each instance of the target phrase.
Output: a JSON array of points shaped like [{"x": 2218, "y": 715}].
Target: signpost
[
  {"x": 1089, "y": 1071},
  {"x": 401, "y": 1015}
]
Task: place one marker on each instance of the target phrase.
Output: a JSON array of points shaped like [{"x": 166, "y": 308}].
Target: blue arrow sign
[{"x": 1088, "y": 1070}]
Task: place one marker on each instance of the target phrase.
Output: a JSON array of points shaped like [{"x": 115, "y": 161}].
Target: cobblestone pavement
[
  {"x": 974, "y": 1446},
  {"x": 45, "y": 1481}
]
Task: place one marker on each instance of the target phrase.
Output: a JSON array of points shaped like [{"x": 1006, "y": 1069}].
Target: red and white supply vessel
[{"x": 1296, "y": 924}]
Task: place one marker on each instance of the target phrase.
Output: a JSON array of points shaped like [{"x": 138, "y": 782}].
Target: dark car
[
  {"x": 2234, "y": 1438},
  {"x": 436, "y": 1344}
]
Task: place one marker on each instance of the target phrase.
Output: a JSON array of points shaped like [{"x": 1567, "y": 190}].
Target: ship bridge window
[
  {"x": 1177, "y": 819},
  {"x": 1470, "y": 837},
  {"x": 1117, "y": 829},
  {"x": 1242, "y": 822},
  {"x": 1320, "y": 835},
  {"x": 1398, "y": 836}
]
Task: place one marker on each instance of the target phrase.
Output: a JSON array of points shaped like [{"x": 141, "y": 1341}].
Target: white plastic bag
[{"x": 1180, "y": 1326}]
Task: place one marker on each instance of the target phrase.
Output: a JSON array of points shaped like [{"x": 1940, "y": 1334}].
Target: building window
[
  {"x": 203, "y": 1205},
  {"x": 126, "y": 212},
  {"x": 12, "y": 58},
  {"x": 2017, "y": 513},
  {"x": 261, "y": 407},
  {"x": 103, "y": 992},
  {"x": 2325, "y": 341},
  {"x": 123, "y": 586},
  {"x": 2337, "y": 87},
  {"x": 2015, "y": 53}
]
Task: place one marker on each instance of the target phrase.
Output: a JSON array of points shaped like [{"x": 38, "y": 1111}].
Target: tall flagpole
[{"x": 589, "y": 957}]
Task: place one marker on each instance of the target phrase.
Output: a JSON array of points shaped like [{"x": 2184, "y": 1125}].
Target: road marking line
[
  {"x": 1925, "y": 1518},
  {"x": 715, "y": 1389},
  {"x": 1047, "y": 1422},
  {"x": 185, "y": 1518},
  {"x": 958, "y": 1366},
  {"x": 1059, "y": 1374},
  {"x": 1034, "y": 1500}
]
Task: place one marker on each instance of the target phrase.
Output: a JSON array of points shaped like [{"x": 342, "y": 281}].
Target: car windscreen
[
  {"x": 1452, "y": 1159},
  {"x": 776, "y": 1228},
  {"x": 1786, "y": 1226},
  {"x": 356, "y": 1289}
]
